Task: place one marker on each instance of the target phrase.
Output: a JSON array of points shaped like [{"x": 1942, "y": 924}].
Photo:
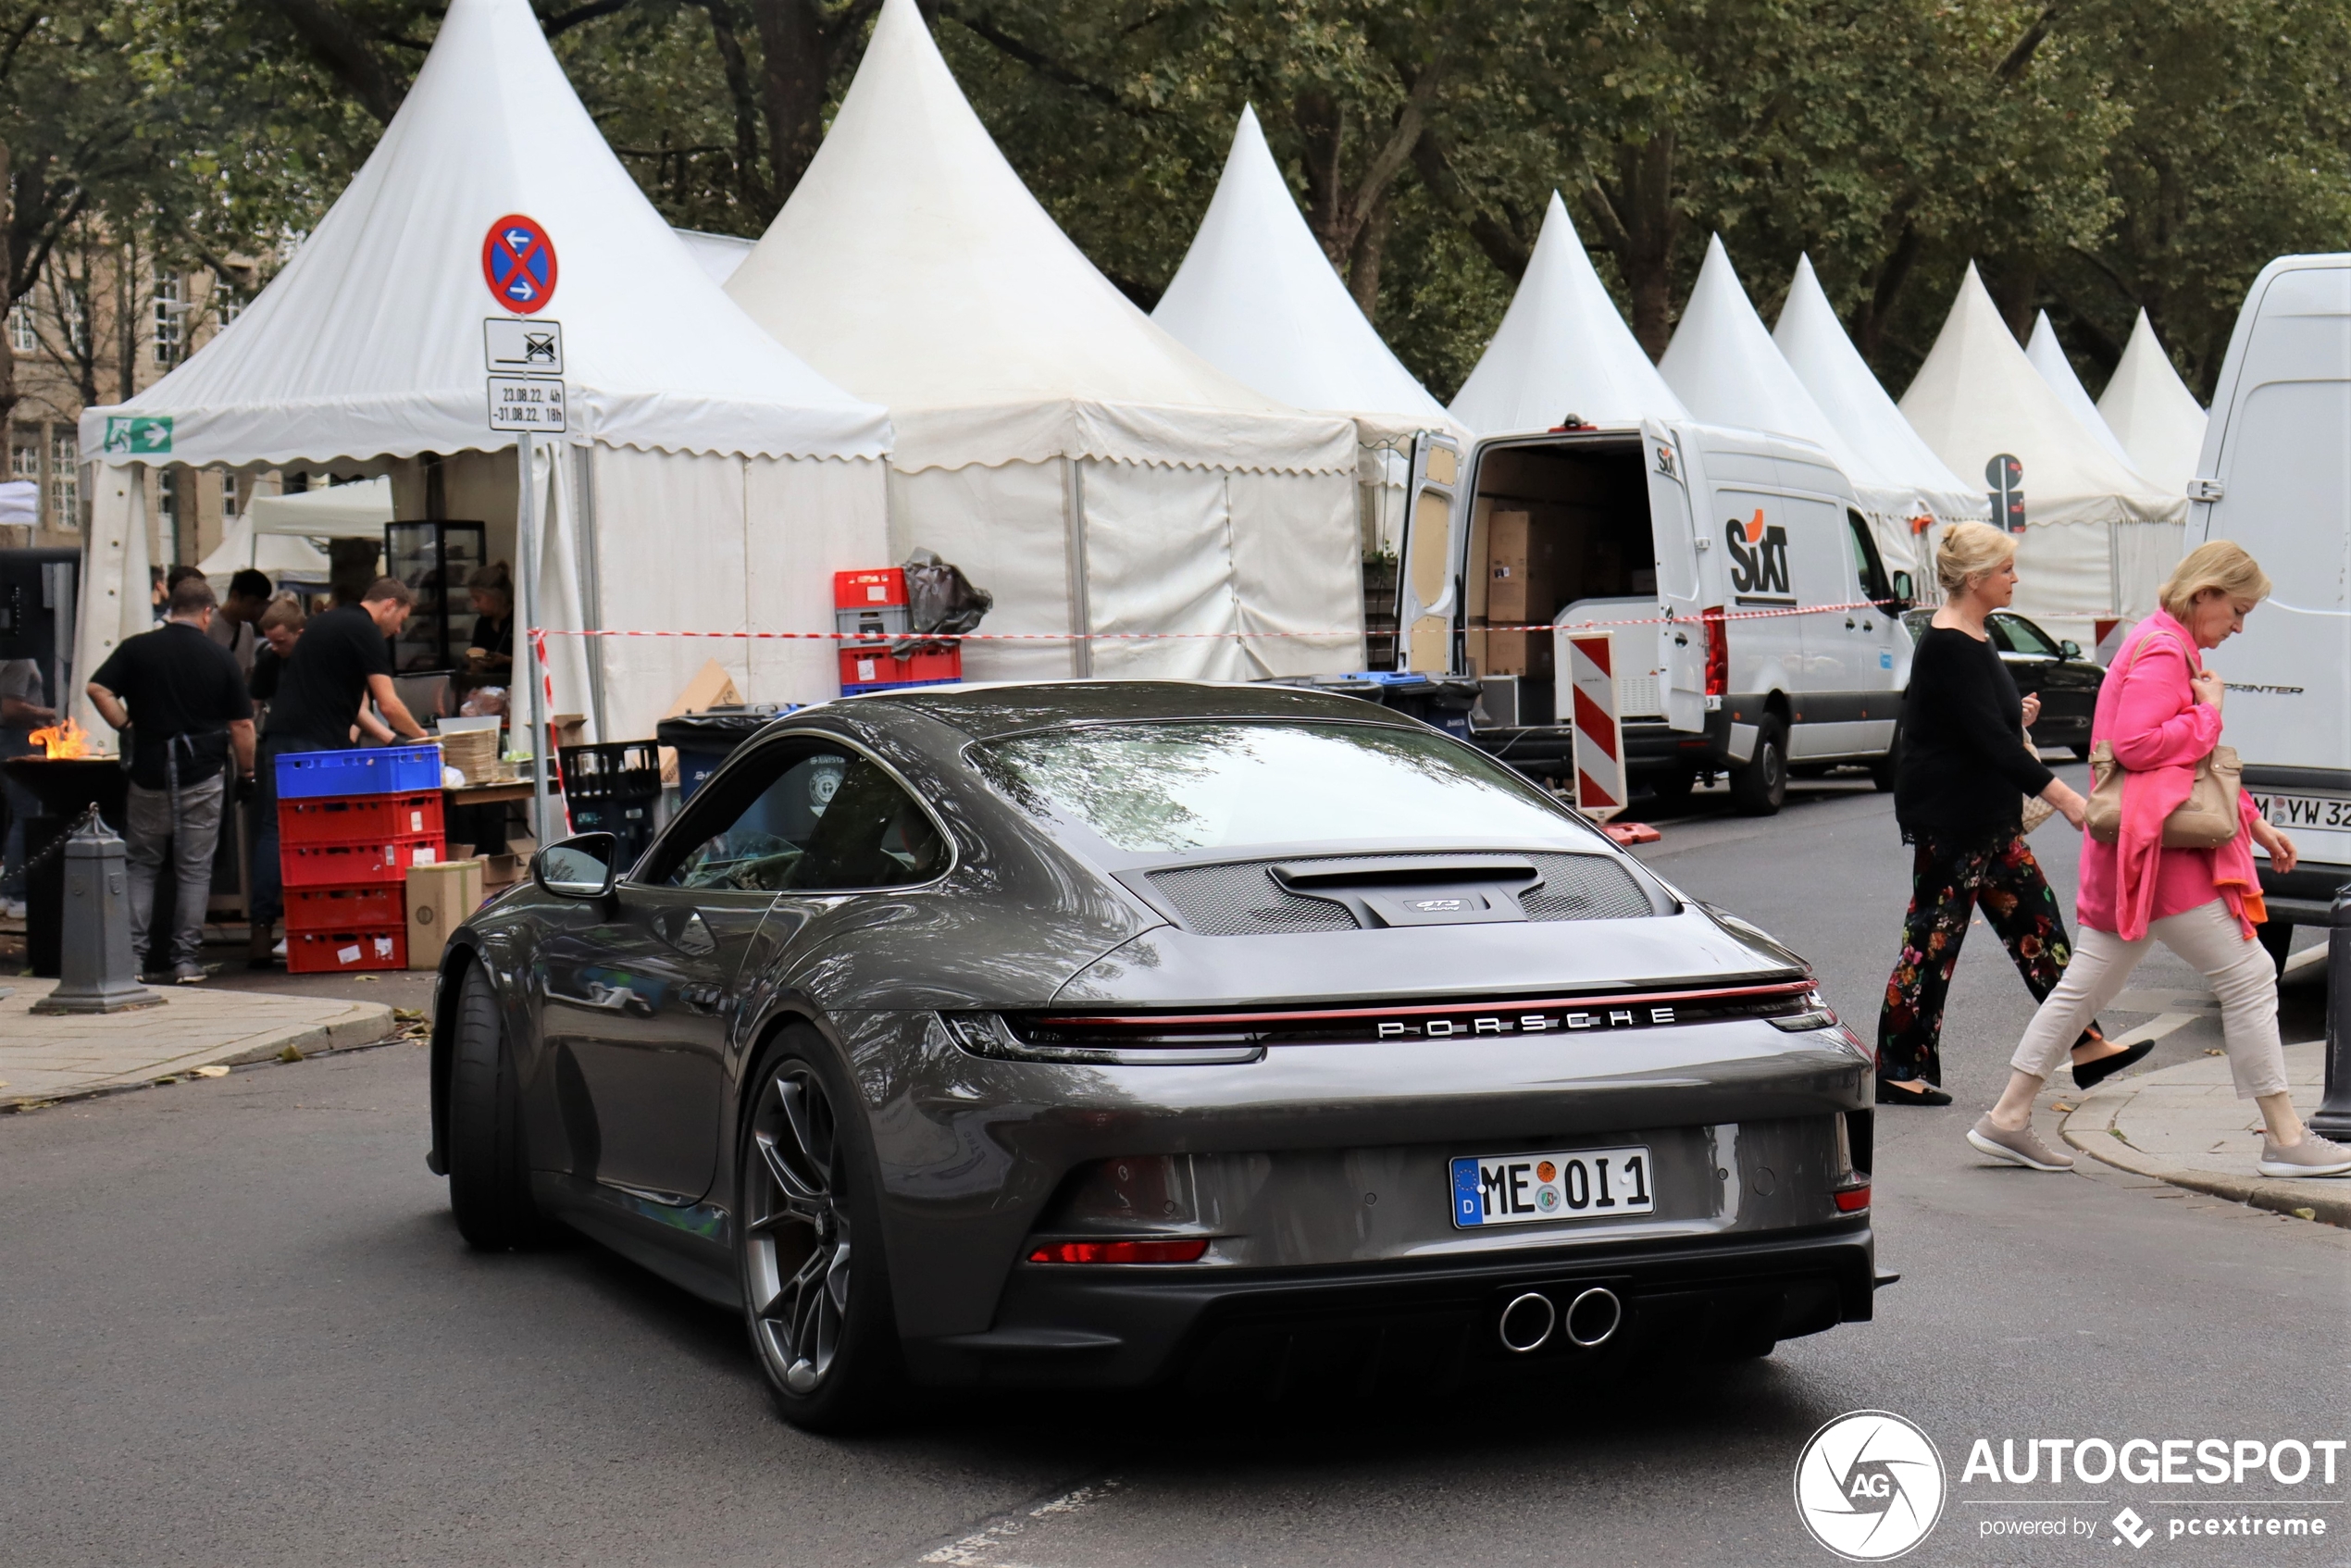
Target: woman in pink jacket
[{"x": 2161, "y": 712}]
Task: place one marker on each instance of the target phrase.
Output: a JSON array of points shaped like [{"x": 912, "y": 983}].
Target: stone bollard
[
  {"x": 98, "y": 971},
  {"x": 2333, "y": 1116}
]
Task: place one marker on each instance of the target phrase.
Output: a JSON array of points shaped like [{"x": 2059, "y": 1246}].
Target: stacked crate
[
  {"x": 869, "y": 609},
  {"x": 613, "y": 787},
  {"x": 349, "y": 824}
]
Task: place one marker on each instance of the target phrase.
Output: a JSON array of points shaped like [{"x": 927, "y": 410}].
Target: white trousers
[{"x": 2242, "y": 976}]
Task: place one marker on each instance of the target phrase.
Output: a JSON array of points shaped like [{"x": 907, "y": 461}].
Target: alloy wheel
[{"x": 796, "y": 1230}]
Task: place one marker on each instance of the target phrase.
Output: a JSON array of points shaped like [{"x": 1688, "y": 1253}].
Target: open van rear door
[
  {"x": 1427, "y": 602},
  {"x": 1681, "y": 645}
]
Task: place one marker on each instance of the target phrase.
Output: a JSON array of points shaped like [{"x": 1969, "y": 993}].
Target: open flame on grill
[{"x": 64, "y": 740}]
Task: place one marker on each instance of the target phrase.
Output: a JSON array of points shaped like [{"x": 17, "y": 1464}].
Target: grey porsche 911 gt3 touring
[{"x": 1107, "y": 1034}]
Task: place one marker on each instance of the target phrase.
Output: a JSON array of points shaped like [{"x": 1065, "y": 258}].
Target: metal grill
[
  {"x": 1583, "y": 886},
  {"x": 1245, "y": 901}
]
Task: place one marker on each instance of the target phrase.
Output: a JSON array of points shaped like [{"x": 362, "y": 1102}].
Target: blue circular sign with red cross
[{"x": 518, "y": 263}]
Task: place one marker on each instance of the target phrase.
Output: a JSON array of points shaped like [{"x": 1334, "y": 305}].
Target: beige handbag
[
  {"x": 2207, "y": 819},
  {"x": 2036, "y": 810}
]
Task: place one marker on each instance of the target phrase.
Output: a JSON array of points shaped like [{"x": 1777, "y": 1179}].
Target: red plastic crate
[
  {"x": 329, "y": 952},
  {"x": 344, "y": 909},
  {"x": 865, "y": 669},
  {"x": 344, "y": 819},
  {"x": 860, "y": 590},
  {"x": 351, "y": 866}
]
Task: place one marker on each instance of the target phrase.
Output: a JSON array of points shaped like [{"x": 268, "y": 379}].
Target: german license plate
[
  {"x": 1573, "y": 1184},
  {"x": 2302, "y": 811}
]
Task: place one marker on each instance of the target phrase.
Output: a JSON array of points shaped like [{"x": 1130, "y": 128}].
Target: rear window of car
[{"x": 1217, "y": 785}]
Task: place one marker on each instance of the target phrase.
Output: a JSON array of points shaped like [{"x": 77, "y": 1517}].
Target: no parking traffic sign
[{"x": 518, "y": 263}]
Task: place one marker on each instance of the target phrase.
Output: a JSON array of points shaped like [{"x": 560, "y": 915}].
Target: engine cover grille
[{"x": 1243, "y": 900}]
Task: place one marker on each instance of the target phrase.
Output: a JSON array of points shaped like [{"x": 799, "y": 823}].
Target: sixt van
[
  {"x": 2275, "y": 476},
  {"x": 1707, "y": 538}
]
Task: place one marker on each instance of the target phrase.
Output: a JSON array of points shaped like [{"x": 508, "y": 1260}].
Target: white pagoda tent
[
  {"x": 1726, "y": 368},
  {"x": 709, "y": 479},
  {"x": 1815, "y": 346},
  {"x": 2152, "y": 413},
  {"x": 1257, "y": 298},
  {"x": 2049, "y": 357},
  {"x": 1562, "y": 348},
  {"x": 1071, "y": 456},
  {"x": 2098, "y": 539}
]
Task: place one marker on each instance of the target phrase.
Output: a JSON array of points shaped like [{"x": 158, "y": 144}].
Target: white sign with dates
[{"x": 534, "y": 403}]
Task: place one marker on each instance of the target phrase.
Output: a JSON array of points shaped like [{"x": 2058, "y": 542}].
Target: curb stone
[
  {"x": 359, "y": 1023},
  {"x": 2093, "y": 1128}
]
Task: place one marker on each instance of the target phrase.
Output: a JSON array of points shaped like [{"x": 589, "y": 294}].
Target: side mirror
[
  {"x": 2069, "y": 648},
  {"x": 1902, "y": 586},
  {"x": 582, "y": 867}
]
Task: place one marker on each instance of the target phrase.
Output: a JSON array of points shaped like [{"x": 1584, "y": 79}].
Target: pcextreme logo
[{"x": 1869, "y": 1486}]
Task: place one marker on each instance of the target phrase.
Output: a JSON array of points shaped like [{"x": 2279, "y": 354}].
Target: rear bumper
[
  {"x": 1407, "y": 1326},
  {"x": 2304, "y": 896},
  {"x": 1652, "y": 747}
]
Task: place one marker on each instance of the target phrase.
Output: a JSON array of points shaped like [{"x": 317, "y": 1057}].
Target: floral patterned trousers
[{"x": 1947, "y": 882}]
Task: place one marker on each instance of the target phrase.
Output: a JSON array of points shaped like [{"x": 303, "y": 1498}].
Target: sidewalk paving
[
  {"x": 2185, "y": 1125},
  {"x": 46, "y": 1058}
]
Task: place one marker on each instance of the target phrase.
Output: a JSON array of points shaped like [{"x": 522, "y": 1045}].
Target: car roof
[{"x": 986, "y": 712}]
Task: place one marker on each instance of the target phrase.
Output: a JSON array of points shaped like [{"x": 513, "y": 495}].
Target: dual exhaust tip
[{"x": 1590, "y": 1321}]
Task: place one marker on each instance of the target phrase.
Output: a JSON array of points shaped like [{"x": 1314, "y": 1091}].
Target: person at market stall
[
  {"x": 340, "y": 661},
  {"x": 233, "y": 627},
  {"x": 23, "y": 709},
  {"x": 177, "y": 694},
  {"x": 491, "y": 658}
]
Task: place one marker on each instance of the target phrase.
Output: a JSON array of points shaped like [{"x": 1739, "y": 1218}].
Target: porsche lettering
[{"x": 1523, "y": 1022}]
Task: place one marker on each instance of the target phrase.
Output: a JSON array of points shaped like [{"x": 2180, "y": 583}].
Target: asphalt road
[{"x": 237, "y": 1327}]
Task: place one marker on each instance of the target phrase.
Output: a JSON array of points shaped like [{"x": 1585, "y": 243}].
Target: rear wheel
[
  {"x": 488, "y": 1163},
  {"x": 816, "y": 1288},
  {"x": 1759, "y": 788}
]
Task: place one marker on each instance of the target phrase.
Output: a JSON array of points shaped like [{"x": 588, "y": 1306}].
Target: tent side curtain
[{"x": 680, "y": 542}]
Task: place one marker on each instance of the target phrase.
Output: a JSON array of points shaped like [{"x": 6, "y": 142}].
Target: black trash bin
[
  {"x": 704, "y": 740},
  {"x": 1441, "y": 702}
]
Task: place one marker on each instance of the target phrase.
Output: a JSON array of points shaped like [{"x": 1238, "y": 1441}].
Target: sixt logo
[
  {"x": 1759, "y": 555},
  {"x": 1524, "y": 1023}
]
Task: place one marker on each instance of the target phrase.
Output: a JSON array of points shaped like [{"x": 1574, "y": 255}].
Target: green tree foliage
[{"x": 2094, "y": 156}]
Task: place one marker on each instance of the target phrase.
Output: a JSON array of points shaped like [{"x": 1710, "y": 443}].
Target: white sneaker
[
  {"x": 280, "y": 950},
  {"x": 12, "y": 909},
  {"x": 2314, "y": 1156}
]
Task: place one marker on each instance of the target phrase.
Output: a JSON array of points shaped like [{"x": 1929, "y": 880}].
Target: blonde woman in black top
[{"x": 1959, "y": 795}]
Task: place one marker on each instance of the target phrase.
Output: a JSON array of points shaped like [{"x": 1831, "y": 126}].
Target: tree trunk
[
  {"x": 1500, "y": 236},
  {"x": 1871, "y": 317},
  {"x": 753, "y": 192},
  {"x": 346, "y": 53},
  {"x": 792, "y": 79},
  {"x": 1363, "y": 262},
  {"x": 2013, "y": 289},
  {"x": 8, "y": 272},
  {"x": 1638, "y": 223}
]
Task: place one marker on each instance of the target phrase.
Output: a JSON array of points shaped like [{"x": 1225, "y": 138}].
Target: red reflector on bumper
[
  {"x": 1119, "y": 1252},
  {"x": 1852, "y": 1199}
]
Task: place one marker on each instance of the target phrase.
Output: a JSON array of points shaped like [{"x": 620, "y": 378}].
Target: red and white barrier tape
[{"x": 539, "y": 634}]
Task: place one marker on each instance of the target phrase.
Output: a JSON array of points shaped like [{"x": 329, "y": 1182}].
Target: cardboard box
[
  {"x": 1509, "y": 569},
  {"x": 1517, "y": 653},
  {"x": 440, "y": 898}
]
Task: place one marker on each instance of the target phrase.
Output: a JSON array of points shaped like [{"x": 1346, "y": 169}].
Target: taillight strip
[{"x": 1612, "y": 999}]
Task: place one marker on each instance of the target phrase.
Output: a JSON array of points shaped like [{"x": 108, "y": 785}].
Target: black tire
[
  {"x": 488, "y": 1161},
  {"x": 1759, "y": 788},
  {"x": 808, "y": 1245},
  {"x": 1884, "y": 769}
]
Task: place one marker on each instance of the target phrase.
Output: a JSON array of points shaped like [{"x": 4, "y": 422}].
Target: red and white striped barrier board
[{"x": 1600, "y": 734}]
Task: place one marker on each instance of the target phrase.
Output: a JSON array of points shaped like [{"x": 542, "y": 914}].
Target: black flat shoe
[
  {"x": 1890, "y": 1093},
  {"x": 2088, "y": 1075}
]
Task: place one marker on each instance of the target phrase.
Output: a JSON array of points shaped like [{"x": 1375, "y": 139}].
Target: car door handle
[
  {"x": 1848, "y": 622},
  {"x": 1681, "y": 641},
  {"x": 607, "y": 999}
]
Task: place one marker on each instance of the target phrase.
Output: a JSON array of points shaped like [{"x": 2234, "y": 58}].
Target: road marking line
[{"x": 972, "y": 1548}]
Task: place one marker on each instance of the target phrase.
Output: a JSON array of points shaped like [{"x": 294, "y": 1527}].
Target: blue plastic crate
[{"x": 363, "y": 770}]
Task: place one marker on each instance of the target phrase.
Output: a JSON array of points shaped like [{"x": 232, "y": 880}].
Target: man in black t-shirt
[
  {"x": 179, "y": 697},
  {"x": 340, "y": 661}
]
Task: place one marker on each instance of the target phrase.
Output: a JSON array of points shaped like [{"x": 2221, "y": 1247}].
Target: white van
[
  {"x": 1678, "y": 525},
  {"x": 2275, "y": 476}
]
